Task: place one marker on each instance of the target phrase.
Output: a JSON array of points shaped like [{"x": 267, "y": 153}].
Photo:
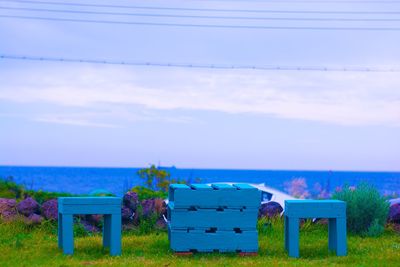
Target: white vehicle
[{"x": 269, "y": 194}]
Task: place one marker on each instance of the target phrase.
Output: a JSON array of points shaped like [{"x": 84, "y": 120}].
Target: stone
[
  {"x": 28, "y": 206},
  {"x": 148, "y": 207},
  {"x": 8, "y": 209},
  {"x": 34, "y": 219},
  {"x": 160, "y": 223},
  {"x": 127, "y": 214},
  {"x": 89, "y": 227},
  {"x": 131, "y": 200},
  {"x": 394, "y": 213},
  {"x": 270, "y": 209},
  {"x": 50, "y": 209},
  {"x": 160, "y": 207}
]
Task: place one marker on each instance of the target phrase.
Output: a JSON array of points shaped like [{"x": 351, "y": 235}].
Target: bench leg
[
  {"x": 115, "y": 242},
  {"x": 106, "y": 230},
  {"x": 293, "y": 237},
  {"x": 341, "y": 246},
  {"x": 332, "y": 234},
  {"x": 67, "y": 233},
  {"x": 60, "y": 230},
  {"x": 338, "y": 236},
  {"x": 286, "y": 236}
]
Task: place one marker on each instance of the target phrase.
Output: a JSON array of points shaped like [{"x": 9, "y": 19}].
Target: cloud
[{"x": 331, "y": 97}]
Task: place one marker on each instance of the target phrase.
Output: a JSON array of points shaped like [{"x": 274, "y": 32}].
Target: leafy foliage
[
  {"x": 146, "y": 193},
  {"x": 367, "y": 210},
  {"x": 9, "y": 189},
  {"x": 157, "y": 179}
]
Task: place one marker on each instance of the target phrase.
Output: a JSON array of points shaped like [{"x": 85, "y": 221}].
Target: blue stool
[
  {"x": 334, "y": 210},
  {"x": 109, "y": 206}
]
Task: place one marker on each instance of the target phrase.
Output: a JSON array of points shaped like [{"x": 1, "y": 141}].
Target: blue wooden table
[
  {"x": 217, "y": 217},
  {"x": 334, "y": 210},
  {"x": 110, "y": 207}
]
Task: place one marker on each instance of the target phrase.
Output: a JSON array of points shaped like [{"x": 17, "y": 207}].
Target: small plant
[
  {"x": 157, "y": 179},
  {"x": 297, "y": 188},
  {"x": 146, "y": 193},
  {"x": 367, "y": 210}
]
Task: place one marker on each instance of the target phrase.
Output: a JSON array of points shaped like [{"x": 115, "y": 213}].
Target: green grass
[{"x": 21, "y": 245}]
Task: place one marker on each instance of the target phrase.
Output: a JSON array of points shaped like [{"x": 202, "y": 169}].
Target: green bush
[
  {"x": 367, "y": 210},
  {"x": 146, "y": 193},
  {"x": 9, "y": 189}
]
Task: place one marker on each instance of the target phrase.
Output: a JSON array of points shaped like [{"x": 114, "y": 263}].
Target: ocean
[{"x": 84, "y": 180}]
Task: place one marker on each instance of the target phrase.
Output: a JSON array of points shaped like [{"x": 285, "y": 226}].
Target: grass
[{"x": 22, "y": 245}]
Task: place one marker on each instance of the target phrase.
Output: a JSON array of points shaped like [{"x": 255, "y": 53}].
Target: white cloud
[{"x": 334, "y": 97}]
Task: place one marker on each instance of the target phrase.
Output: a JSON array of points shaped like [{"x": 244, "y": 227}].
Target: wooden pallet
[{"x": 219, "y": 217}]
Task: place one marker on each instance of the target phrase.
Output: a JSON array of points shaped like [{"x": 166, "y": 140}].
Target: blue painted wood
[
  {"x": 315, "y": 208},
  {"x": 222, "y": 241},
  {"x": 109, "y": 206},
  {"x": 90, "y": 209},
  {"x": 213, "y": 217},
  {"x": 89, "y": 200},
  {"x": 334, "y": 210},
  {"x": 206, "y": 218},
  {"x": 216, "y": 195}
]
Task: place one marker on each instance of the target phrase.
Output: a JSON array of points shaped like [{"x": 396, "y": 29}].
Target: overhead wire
[
  {"x": 198, "y": 65},
  {"x": 196, "y": 16},
  {"x": 186, "y": 25},
  {"x": 206, "y": 9}
]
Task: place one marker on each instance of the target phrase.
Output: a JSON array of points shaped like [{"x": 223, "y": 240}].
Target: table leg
[
  {"x": 67, "y": 233},
  {"x": 341, "y": 245},
  {"x": 293, "y": 236},
  {"x": 60, "y": 245},
  {"x": 286, "y": 236},
  {"x": 332, "y": 234},
  {"x": 115, "y": 242},
  {"x": 106, "y": 230}
]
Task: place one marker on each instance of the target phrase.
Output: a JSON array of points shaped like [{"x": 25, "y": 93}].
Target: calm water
[{"x": 118, "y": 180}]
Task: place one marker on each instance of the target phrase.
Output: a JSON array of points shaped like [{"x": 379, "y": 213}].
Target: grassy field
[{"x": 26, "y": 246}]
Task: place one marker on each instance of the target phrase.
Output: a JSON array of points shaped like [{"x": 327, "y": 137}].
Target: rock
[
  {"x": 28, "y": 206},
  {"x": 95, "y": 219},
  {"x": 34, "y": 219},
  {"x": 127, "y": 214},
  {"x": 90, "y": 227},
  {"x": 50, "y": 209},
  {"x": 130, "y": 200},
  {"x": 394, "y": 213},
  {"x": 8, "y": 209},
  {"x": 161, "y": 223},
  {"x": 270, "y": 209},
  {"x": 160, "y": 207},
  {"x": 148, "y": 207}
]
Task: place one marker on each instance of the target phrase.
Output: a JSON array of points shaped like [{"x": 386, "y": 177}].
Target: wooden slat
[
  {"x": 90, "y": 200},
  {"x": 206, "y": 218},
  {"x": 216, "y": 196},
  {"x": 222, "y": 241},
  {"x": 315, "y": 208}
]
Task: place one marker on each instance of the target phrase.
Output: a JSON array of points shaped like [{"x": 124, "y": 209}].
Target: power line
[
  {"x": 200, "y": 66},
  {"x": 186, "y": 25},
  {"x": 198, "y": 16},
  {"x": 206, "y": 9}
]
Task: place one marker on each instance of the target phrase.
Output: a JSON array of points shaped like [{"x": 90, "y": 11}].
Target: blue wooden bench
[
  {"x": 109, "y": 206},
  {"x": 220, "y": 217},
  {"x": 334, "y": 210}
]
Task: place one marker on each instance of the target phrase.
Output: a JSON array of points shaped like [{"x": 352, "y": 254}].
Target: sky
[{"x": 81, "y": 114}]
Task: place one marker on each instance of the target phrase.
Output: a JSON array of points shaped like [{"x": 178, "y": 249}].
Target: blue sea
[{"x": 79, "y": 180}]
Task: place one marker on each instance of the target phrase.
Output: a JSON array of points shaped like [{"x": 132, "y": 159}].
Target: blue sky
[{"x": 70, "y": 114}]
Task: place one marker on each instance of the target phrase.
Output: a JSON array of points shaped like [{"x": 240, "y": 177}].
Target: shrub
[
  {"x": 297, "y": 187},
  {"x": 367, "y": 210},
  {"x": 157, "y": 179},
  {"x": 146, "y": 193}
]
